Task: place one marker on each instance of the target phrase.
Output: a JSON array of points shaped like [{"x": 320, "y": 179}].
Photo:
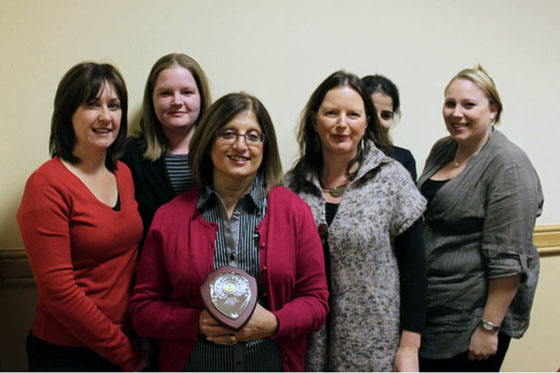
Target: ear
[{"x": 493, "y": 111}]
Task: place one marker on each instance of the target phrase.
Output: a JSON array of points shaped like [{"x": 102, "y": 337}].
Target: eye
[
  {"x": 229, "y": 134},
  {"x": 469, "y": 105},
  {"x": 449, "y": 104},
  {"x": 386, "y": 115},
  {"x": 165, "y": 93},
  {"x": 187, "y": 92},
  {"x": 92, "y": 103},
  {"x": 253, "y": 136},
  {"x": 354, "y": 115}
]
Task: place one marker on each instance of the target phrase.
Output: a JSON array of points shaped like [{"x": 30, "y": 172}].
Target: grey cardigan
[{"x": 478, "y": 226}]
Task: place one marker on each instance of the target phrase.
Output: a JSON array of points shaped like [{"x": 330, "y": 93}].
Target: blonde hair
[
  {"x": 482, "y": 80},
  {"x": 151, "y": 132}
]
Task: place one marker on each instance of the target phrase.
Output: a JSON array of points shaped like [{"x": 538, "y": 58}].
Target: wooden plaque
[{"x": 230, "y": 296}]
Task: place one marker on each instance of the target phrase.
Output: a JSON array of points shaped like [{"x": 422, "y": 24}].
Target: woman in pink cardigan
[{"x": 240, "y": 216}]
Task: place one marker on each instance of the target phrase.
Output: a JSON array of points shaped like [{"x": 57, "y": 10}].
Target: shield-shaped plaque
[{"x": 230, "y": 296}]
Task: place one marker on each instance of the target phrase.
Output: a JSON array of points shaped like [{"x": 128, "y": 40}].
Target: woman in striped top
[
  {"x": 240, "y": 216},
  {"x": 175, "y": 98}
]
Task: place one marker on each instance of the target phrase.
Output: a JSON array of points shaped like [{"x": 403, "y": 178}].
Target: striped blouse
[
  {"x": 179, "y": 172},
  {"x": 236, "y": 245}
]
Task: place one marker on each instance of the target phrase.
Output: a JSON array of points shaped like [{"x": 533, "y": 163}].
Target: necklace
[{"x": 336, "y": 192}]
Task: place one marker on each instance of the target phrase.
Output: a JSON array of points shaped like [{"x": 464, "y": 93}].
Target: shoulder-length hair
[
  {"x": 311, "y": 157},
  {"x": 79, "y": 85},
  {"x": 220, "y": 114},
  {"x": 151, "y": 132},
  {"x": 484, "y": 81}
]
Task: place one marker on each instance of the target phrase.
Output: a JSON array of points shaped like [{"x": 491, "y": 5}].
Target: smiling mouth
[
  {"x": 102, "y": 130},
  {"x": 238, "y": 158},
  {"x": 459, "y": 125},
  {"x": 340, "y": 137}
]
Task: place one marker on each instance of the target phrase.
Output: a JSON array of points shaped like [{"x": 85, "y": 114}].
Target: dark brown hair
[
  {"x": 79, "y": 85},
  {"x": 220, "y": 114},
  {"x": 311, "y": 157}
]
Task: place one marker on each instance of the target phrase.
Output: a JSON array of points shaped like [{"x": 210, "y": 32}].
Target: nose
[
  {"x": 238, "y": 144},
  {"x": 341, "y": 121},
  {"x": 457, "y": 112},
  {"x": 104, "y": 114},
  {"x": 176, "y": 100}
]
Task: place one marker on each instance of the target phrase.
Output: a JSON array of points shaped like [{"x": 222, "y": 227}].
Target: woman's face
[
  {"x": 384, "y": 108},
  {"x": 467, "y": 112},
  {"x": 237, "y": 161},
  {"x": 97, "y": 122},
  {"x": 341, "y": 121},
  {"x": 176, "y": 99}
]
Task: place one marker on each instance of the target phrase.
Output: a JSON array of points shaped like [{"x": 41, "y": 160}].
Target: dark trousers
[
  {"x": 47, "y": 357},
  {"x": 461, "y": 362}
]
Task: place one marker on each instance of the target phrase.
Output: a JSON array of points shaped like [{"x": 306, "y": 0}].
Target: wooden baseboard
[
  {"x": 14, "y": 265},
  {"x": 547, "y": 239}
]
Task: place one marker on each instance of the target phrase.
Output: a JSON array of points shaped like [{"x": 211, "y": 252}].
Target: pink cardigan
[{"x": 178, "y": 256}]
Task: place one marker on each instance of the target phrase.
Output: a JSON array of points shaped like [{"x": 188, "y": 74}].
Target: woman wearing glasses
[{"x": 240, "y": 216}]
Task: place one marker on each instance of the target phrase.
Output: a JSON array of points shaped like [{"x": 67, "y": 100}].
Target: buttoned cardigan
[{"x": 178, "y": 256}]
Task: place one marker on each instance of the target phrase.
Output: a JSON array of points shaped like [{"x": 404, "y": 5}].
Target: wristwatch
[{"x": 490, "y": 326}]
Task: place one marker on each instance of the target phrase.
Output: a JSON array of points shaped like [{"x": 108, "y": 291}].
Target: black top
[
  {"x": 404, "y": 157},
  {"x": 430, "y": 188},
  {"x": 151, "y": 181}
]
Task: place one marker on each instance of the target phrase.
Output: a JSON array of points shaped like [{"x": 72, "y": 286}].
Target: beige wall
[{"x": 280, "y": 51}]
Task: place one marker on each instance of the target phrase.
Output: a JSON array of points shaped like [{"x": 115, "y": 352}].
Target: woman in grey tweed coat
[{"x": 367, "y": 209}]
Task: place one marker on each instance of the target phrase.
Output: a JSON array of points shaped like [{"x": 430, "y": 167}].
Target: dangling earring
[{"x": 361, "y": 146}]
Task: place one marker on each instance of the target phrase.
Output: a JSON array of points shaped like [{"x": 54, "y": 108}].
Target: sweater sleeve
[
  {"x": 307, "y": 310},
  {"x": 411, "y": 258},
  {"x": 44, "y": 223},
  {"x": 514, "y": 200},
  {"x": 155, "y": 314}
]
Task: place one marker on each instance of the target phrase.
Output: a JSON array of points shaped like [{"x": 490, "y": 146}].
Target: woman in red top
[
  {"x": 240, "y": 216},
  {"x": 80, "y": 227}
]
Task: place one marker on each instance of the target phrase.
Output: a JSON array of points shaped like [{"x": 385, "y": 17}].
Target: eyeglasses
[{"x": 252, "y": 138}]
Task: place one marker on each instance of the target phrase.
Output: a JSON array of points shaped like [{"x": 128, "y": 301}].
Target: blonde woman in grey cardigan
[{"x": 483, "y": 199}]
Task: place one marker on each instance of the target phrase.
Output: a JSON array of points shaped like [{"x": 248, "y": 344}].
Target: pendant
[{"x": 337, "y": 191}]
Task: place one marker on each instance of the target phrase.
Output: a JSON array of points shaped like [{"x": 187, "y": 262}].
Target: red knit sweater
[
  {"x": 83, "y": 256},
  {"x": 178, "y": 255}
]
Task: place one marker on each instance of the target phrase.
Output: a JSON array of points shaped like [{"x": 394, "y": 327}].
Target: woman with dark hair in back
[
  {"x": 81, "y": 228},
  {"x": 240, "y": 216},
  {"x": 368, "y": 211},
  {"x": 385, "y": 96}
]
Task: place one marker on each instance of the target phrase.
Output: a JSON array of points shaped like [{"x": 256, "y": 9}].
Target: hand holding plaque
[{"x": 230, "y": 296}]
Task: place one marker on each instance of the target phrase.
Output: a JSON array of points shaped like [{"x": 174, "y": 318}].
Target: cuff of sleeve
[{"x": 507, "y": 263}]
